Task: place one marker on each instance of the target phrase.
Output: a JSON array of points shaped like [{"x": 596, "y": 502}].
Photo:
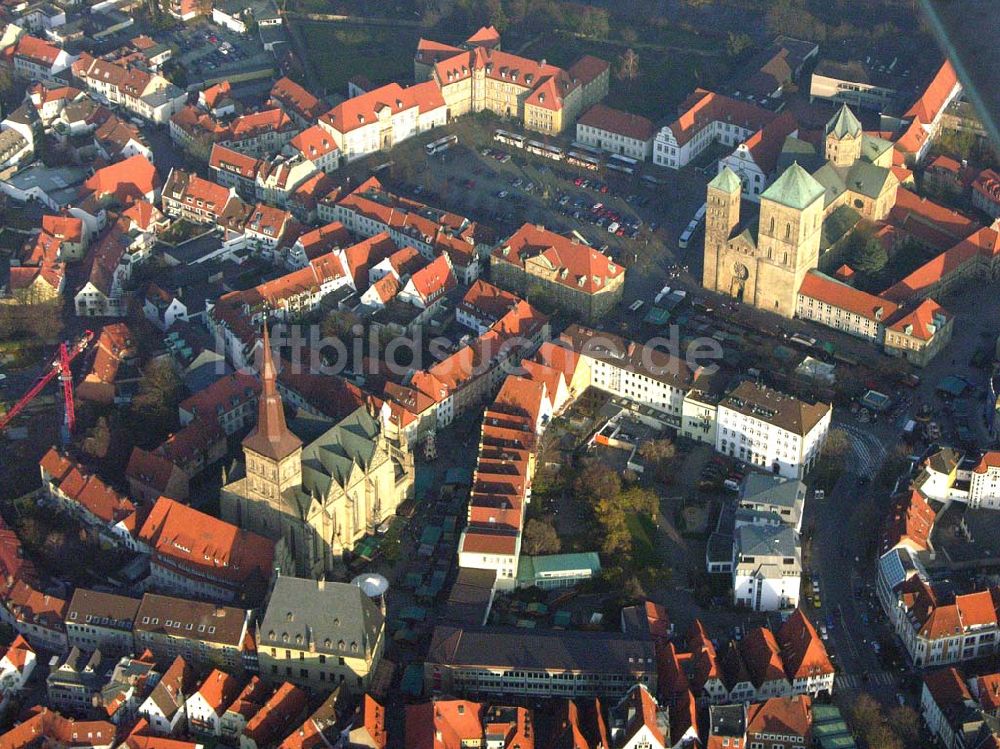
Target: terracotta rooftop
[
  {"x": 571, "y": 264},
  {"x": 704, "y": 107},
  {"x": 206, "y": 545},
  {"x": 616, "y": 121},
  {"x": 827, "y": 290}
]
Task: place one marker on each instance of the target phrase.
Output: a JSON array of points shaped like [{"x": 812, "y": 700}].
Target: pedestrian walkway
[
  {"x": 868, "y": 451},
  {"x": 851, "y": 682}
]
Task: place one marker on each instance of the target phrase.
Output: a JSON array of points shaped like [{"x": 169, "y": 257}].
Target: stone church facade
[
  {"x": 762, "y": 259},
  {"x": 323, "y": 497}
]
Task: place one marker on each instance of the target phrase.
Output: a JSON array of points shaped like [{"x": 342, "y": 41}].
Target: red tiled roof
[
  {"x": 362, "y": 256},
  {"x": 257, "y": 123},
  {"x": 218, "y": 690},
  {"x": 45, "y": 727},
  {"x": 129, "y": 180},
  {"x": 947, "y": 687},
  {"x": 268, "y": 220},
  {"x": 983, "y": 243},
  {"x": 704, "y": 107},
  {"x": 196, "y": 123},
  {"x": 289, "y": 94},
  {"x": 364, "y": 109},
  {"x": 90, "y": 492},
  {"x": 587, "y": 68},
  {"x": 150, "y": 468},
  {"x": 434, "y": 279},
  {"x": 913, "y": 138},
  {"x": 386, "y": 287},
  {"x": 910, "y": 207},
  {"x": 214, "y": 95},
  {"x": 324, "y": 239},
  {"x": 314, "y": 142},
  {"x": 486, "y": 35},
  {"x": 479, "y": 542},
  {"x": 945, "y": 163},
  {"x": 827, "y": 290},
  {"x": 976, "y": 609},
  {"x": 802, "y": 650},
  {"x": 559, "y": 357},
  {"x": 522, "y": 396},
  {"x": 65, "y": 228},
  {"x": 205, "y": 544},
  {"x": 987, "y": 184},
  {"x": 32, "y": 606},
  {"x": 23, "y": 277},
  {"x": 483, "y": 299},
  {"x": 930, "y": 103},
  {"x": 229, "y": 160},
  {"x": 17, "y": 652},
  {"x": 268, "y": 726},
  {"x": 762, "y": 656},
  {"x": 988, "y": 691},
  {"x": 911, "y": 520},
  {"x": 113, "y": 345},
  {"x": 574, "y": 265},
  {"x": 786, "y": 716},
  {"x": 430, "y": 51},
  {"x": 443, "y": 724},
  {"x": 990, "y": 459},
  {"x": 34, "y": 49},
  {"x": 921, "y": 321},
  {"x": 616, "y": 121},
  {"x": 222, "y": 395},
  {"x": 143, "y": 214},
  {"x": 765, "y": 145}
]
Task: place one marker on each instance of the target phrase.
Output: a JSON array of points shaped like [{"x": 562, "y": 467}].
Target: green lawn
[
  {"x": 643, "y": 546},
  {"x": 339, "y": 52}
]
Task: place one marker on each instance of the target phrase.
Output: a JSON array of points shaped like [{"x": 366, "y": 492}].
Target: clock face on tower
[{"x": 740, "y": 271}]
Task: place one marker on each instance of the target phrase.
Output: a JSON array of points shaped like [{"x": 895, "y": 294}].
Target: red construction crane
[{"x": 59, "y": 366}]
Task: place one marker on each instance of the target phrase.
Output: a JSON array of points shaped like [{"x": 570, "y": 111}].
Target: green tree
[
  {"x": 98, "y": 439},
  {"x": 883, "y": 737},
  {"x": 339, "y": 324},
  {"x": 597, "y": 483},
  {"x": 155, "y": 405},
  {"x": 865, "y": 714},
  {"x": 593, "y": 22},
  {"x": 616, "y": 538},
  {"x": 540, "y": 538},
  {"x": 737, "y": 43},
  {"x": 906, "y": 724},
  {"x": 655, "y": 450},
  {"x": 868, "y": 255},
  {"x": 639, "y": 500}
]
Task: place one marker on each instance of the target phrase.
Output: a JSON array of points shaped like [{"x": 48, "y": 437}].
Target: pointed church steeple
[{"x": 271, "y": 437}]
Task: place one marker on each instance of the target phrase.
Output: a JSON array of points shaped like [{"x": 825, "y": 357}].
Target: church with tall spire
[{"x": 322, "y": 495}]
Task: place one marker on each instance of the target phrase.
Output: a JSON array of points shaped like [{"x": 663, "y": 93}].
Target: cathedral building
[
  {"x": 320, "y": 496},
  {"x": 761, "y": 256}
]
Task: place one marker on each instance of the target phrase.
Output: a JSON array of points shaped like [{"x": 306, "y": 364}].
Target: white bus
[
  {"x": 540, "y": 149},
  {"x": 692, "y": 227},
  {"x": 584, "y": 148},
  {"x": 508, "y": 138},
  {"x": 686, "y": 236},
  {"x": 621, "y": 163},
  {"x": 583, "y": 160},
  {"x": 441, "y": 144}
]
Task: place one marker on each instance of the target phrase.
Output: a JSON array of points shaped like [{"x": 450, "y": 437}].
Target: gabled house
[{"x": 206, "y": 706}]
